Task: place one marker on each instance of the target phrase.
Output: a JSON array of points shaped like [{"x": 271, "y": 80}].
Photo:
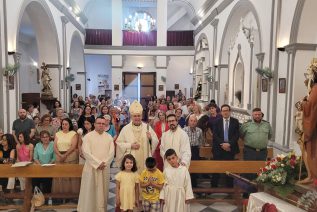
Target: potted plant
[{"x": 11, "y": 70}]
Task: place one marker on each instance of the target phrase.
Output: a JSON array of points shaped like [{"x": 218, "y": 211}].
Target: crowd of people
[{"x": 162, "y": 135}]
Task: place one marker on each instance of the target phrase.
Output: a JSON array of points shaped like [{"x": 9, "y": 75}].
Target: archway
[
  {"x": 37, "y": 40},
  {"x": 76, "y": 71},
  {"x": 242, "y": 28},
  {"x": 202, "y": 67}
]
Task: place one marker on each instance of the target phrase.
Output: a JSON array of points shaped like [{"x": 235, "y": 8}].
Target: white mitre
[{"x": 135, "y": 108}]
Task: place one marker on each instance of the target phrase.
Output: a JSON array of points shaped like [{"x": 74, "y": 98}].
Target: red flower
[
  {"x": 264, "y": 169},
  {"x": 268, "y": 163},
  {"x": 273, "y": 166},
  {"x": 292, "y": 163},
  {"x": 315, "y": 182},
  {"x": 293, "y": 157}
]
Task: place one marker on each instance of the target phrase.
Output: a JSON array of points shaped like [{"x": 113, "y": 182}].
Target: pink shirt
[{"x": 23, "y": 153}]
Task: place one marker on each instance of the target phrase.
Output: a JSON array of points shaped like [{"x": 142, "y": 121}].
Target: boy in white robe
[{"x": 177, "y": 190}]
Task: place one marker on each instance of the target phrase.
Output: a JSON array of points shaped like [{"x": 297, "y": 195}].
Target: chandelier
[{"x": 141, "y": 21}]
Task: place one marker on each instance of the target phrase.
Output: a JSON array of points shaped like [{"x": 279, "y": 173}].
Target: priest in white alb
[
  {"x": 98, "y": 150},
  {"x": 176, "y": 138},
  {"x": 136, "y": 138}
]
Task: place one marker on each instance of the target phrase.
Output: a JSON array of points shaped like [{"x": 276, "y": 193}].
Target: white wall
[
  {"x": 27, "y": 71},
  {"x": 97, "y": 65},
  {"x": 178, "y": 73},
  {"x": 99, "y": 14},
  {"x": 182, "y": 24}
]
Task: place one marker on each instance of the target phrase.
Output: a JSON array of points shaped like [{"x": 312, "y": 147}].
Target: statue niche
[
  {"x": 46, "y": 82},
  {"x": 238, "y": 81}
]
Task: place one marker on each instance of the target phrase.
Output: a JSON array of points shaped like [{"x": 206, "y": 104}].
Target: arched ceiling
[{"x": 192, "y": 9}]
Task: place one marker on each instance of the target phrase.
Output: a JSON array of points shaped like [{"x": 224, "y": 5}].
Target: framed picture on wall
[
  {"x": 264, "y": 85},
  {"x": 161, "y": 88},
  {"x": 176, "y": 86},
  {"x": 78, "y": 87},
  {"x": 116, "y": 87},
  {"x": 282, "y": 85}
]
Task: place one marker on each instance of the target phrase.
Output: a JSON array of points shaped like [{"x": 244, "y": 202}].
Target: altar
[{"x": 257, "y": 200}]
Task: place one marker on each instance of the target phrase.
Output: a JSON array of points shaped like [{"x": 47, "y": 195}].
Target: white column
[
  {"x": 161, "y": 22},
  {"x": 117, "y": 22},
  {"x": 63, "y": 95}
]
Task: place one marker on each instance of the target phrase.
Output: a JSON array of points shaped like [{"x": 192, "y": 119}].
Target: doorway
[{"x": 139, "y": 86}]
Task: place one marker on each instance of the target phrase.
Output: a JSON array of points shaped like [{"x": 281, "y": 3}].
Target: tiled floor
[{"x": 195, "y": 207}]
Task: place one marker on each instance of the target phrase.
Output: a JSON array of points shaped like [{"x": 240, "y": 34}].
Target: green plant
[
  {"x": 265, "y": 72},
  {"x": 11, "y": 70}
]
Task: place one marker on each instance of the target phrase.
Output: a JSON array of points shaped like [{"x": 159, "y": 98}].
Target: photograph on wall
[
  {"x": 161, "y": 88},
  {"x": 282, "y": 85},
  {"x": 78, "y": 87},
  {"x": 116, "y": 87},
  {"x": 11, "y": 82},
  {"x": 176, "y": 86},
  {"x": 264, "y": 85},
  {"x": 103, "y": 83}
]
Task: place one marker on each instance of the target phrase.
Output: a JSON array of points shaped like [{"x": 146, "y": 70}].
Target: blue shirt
[
  {"x": 182, "y": 122},
  {"x": 44, "y": 156},
  {"x": 112, "y": 131}
]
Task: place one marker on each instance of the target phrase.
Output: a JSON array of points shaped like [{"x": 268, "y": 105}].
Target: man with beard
[
  {"x": 256, "y": 134},
  {"x": 176, "y": 138},
  {"x": 23, "y": 124},
  {"x": 136, "y": 138}
]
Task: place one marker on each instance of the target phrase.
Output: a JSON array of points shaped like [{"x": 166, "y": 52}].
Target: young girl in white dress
[{"x": 127, "y": 184}]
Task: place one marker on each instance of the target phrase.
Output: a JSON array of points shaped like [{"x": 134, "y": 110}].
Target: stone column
[
  {"x": 63, "y": 95},
  {"x": 161, "y": 22},
  {"x": 214, "y": 23},
  {"x": 117, "y": 23},
  {"x": 260, "y": 58}
]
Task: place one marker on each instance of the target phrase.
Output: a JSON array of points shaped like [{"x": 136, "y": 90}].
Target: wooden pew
[
  {"x": 213, "y": 166},
  {"x": 37, "y": 171},
  {"x": 75, "y": 170}
]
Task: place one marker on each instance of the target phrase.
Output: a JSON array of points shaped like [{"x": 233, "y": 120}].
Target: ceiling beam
[{"x": 176, "y": 17}]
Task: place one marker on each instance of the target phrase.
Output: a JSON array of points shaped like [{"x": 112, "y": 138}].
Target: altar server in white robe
[
  {"x": 177, "y": 189},
  {"x": 98, "y": 150},
  {"x": 136, "y": 138},
  {"x": 176, "y": 138}
]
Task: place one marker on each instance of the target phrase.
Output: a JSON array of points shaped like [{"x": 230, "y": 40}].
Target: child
[
  {"x": 177, "y": 190},
  {"x": 127, "y": 184},
  {"x": 151, "y": 182}
]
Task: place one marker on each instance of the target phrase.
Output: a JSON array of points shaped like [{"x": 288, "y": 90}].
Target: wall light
[
  {"x": 281, "y": 49},
  {"x": 139, "y": 66}
]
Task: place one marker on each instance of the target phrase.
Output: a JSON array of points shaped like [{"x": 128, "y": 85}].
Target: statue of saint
[
  {"x": 46, "y": 79},
  {"x": 309, "y": 105}
]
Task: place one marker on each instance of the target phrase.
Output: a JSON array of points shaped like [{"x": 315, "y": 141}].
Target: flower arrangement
[{"x": 279, "y": 173}]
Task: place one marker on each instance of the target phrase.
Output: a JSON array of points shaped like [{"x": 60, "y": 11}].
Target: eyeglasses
[
  {"x": 45, "y": 137},
  {"x": 101, "y": 123}
]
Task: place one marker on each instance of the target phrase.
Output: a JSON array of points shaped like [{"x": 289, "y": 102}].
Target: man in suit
[{"x": 225, "y": 141}]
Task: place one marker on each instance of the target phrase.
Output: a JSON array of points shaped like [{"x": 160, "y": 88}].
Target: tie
[{"x": 226, "y": 131}]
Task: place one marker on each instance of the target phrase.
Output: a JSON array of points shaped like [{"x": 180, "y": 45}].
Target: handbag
[{"x": 38, "y": 198}]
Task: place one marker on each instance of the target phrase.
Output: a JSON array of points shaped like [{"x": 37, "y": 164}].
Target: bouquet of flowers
[{"x": 279, "y": 173}]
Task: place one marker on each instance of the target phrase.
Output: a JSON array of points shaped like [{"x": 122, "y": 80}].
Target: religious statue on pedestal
[
  {"x": 46, "y": 79},
  {"x": 309, "y": 137}
]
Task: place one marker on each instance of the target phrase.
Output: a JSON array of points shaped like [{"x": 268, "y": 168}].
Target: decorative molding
[
  {"x": 214, "y": 22},
  {"x": 119, "y": 67},
  {"x": 63, "y": 9},
  {"x": 216, "y": 11},
  {"x": 260, "y": 56},
  {"x": 300, "y": 46},
  {"x": 246, "y": 4},
  {"x": 142, "y": 48},
  {"x": 296, "y": 20},
  {"x": 81, "y": 73},
  {"x": 203, "y": 10}
]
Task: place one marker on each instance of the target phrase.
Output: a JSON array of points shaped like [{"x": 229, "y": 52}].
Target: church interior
[{"x": 246, "y": 54}]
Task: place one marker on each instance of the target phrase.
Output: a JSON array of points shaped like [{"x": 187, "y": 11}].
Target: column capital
[
  {"x": 64, "y": 19},
  {"x": 260, "y": 56},
  {"x": 214, "y": 22}
]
